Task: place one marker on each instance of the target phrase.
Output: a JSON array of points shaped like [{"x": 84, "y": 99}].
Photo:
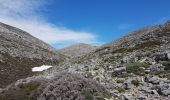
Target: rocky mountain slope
[
  {"x": 77, "y": 50},
  {"x": 58, "y": 86},
  {"x": 135, "y": 67},
  {"x": 19, "y": 52}
]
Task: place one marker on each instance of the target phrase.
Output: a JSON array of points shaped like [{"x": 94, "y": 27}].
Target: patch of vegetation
[
  {"x": 148, "y": 44},
  {"x": 162, "y": 74},
  {"x": 97, "y": 73},
  {"x": 166, "y": 72},
  {"x": 14, "y": 68},
  {"x": 88, "y": 95},
  {"x": 136, "y": 68},
  {"x": 120, "y": 89},
  {"x": 22, "y": 93},
  {"x": 158, "y": 73},
  {"x": 138, "y": 46},
  {"x": 96, "y": 68},
  {"x": 122, "y": 75},
  {"x": 99, "y": 98},
  {"x": 167, "y": 65},
  {"x": 120, "y": 81},
  {"x": 135, "y": 82},
  {"x": 112, "y": 60},
  {"x": 123, "y": 50},
  {"x": 98, "y": 79}
]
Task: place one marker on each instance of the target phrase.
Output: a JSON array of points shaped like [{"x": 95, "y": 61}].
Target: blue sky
[
  {"x": 87, "y": 21},
  {"x": 109, "y": 19}
]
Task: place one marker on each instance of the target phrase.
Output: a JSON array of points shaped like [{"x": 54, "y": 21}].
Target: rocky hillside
[
  {"x": 77, "y": 50},
  {"x": 19, "y": 52},
  {"x": 135, "y": 67}
]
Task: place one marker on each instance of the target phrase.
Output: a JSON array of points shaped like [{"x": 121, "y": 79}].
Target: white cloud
[{"x": 25, "y": 15}]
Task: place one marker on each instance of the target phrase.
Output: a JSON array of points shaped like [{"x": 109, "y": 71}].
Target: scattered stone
[
  {"x": 146, "y": 89},
  {"x": 156, "y": 67},
  {"x": 154, "y": 92},
  {"x": 166, "y": 92},
  {"x": 141, "y": 97},
  {"x": 128, "y": 84},
  {"x": 147, "y": 71},
  {"x": 163, "y": 89},
  {"x": 119, "y": 69},
  {"x": 152, "y": 79},
  {"x": 124, "y": 97}
]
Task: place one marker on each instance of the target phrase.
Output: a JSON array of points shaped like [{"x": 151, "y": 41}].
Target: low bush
[
  {"x": 135, "y": 82},
  {"x": 73, "y": 86},
  {"x": 136, "y": 68},
  {"x": 120, "y": 89},
  {"x": 63, "y": 85},
  {"x": 148, "y": 44},
  {"x": 122, "y": 75},
  {"x": 88, "y": 95},
  {"x": 120, "y": 81},
  {"x": 167, "y": 65},
  {"x": 98, "y": 79},
  {"x": 123, "y": 50},
  {"x": 24, "y": 92}
]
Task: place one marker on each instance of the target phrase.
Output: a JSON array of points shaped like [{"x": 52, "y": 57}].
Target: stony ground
[{"x": 135, "y": 67}]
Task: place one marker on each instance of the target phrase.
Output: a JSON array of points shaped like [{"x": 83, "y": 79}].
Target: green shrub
[
  {"x": 97, "y": 73},
  {"x": 135, "y": 68},
  {"x": 22, "y": 93},
  {"x": 135, "y": 82},
  {"x": 162, "y": 74},
  {"x": 123, "y": 75},
  {"x": 123, "y": 50},
  {"x": 99, "y": 98},
  {"x": 88, "y": 95},
  {"x": 167, "y": 65},
  {"x": 98, "y": 79},
  {"x": 120, "y": 89},
  {"x": 138, "y": 46},
  {"x": 148, "y": 44},
  {"x": 120, "y": 81}
]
